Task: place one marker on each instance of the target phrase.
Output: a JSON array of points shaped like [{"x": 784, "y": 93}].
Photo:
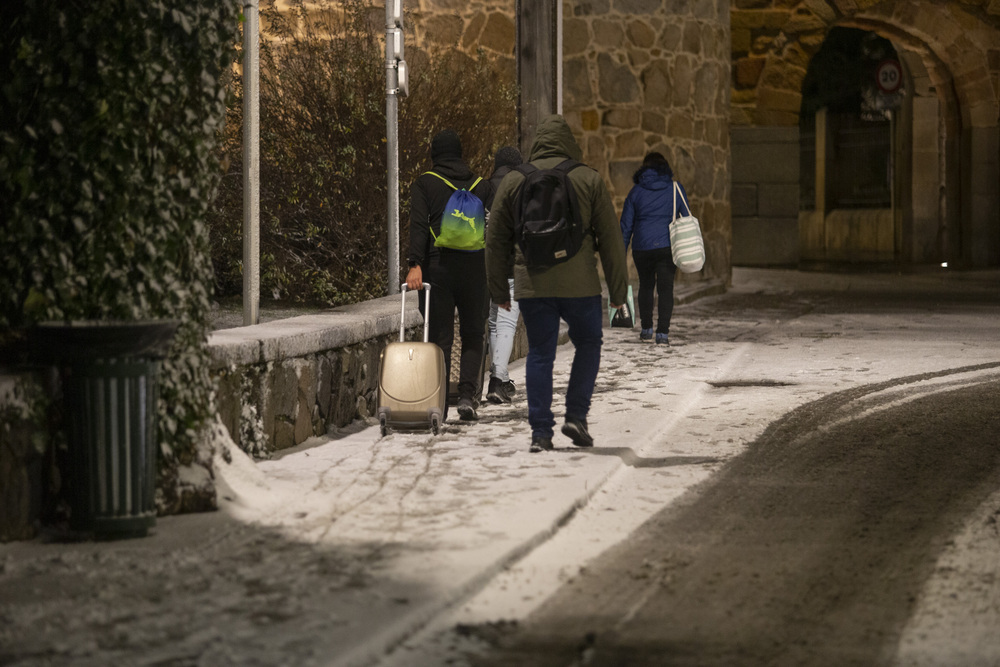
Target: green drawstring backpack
[{"x": 463, "y": 223}]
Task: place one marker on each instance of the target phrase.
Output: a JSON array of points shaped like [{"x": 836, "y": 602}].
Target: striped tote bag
[{"x": 686, "y": 244}]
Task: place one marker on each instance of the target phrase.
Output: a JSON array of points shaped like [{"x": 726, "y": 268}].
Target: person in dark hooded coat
[
  {"x": 457, "y": 277},
  {"x": 570, "y": 291},
  {"x": 649, "y": 208}
]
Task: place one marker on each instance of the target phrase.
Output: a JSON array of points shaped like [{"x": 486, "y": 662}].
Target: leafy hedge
[
  {"x": 109, "y": 116},
  {"x": 323, "y": 184}
]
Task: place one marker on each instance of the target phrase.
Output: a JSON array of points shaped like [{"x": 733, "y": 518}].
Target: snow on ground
[{"x": 345, "y": 547}]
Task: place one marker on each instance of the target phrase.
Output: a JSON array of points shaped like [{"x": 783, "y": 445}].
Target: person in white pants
[
  {"x": 502, "y": 323},
  {"x": 503, "y": 326}
]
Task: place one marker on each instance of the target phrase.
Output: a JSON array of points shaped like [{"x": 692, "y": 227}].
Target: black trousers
[
  {"x": 458, "y": 281},
  {"x": 656, "y": 271}
]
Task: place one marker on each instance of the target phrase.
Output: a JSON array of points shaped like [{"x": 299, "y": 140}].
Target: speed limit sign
[{"x": 889, "y": 75}]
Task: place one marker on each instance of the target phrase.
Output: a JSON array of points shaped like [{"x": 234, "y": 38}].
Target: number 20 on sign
[{"x": 889, "y": 75}]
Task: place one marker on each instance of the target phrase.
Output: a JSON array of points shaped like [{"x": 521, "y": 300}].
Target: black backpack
[{"x": 547, "y": 223}]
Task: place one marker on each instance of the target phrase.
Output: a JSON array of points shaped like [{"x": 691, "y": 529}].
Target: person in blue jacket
[{"x": 649, "y": 208}]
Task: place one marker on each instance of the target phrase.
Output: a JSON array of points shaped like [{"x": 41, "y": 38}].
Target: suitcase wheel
[
  {"x": 383, "y": 429},
  {"x": 435, "y": 424}
]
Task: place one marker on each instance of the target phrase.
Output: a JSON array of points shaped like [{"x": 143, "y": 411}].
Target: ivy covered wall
[{"x": 109, "y": 114}]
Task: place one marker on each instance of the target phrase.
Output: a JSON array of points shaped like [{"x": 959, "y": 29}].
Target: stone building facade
[
  {"x": 945, "y": 141},
  {"x": 716, "y": 85},
  {"x": 638, "y": 75}
]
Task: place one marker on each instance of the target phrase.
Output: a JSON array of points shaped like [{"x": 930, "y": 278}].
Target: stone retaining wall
[{"x": 283, "y": 382}]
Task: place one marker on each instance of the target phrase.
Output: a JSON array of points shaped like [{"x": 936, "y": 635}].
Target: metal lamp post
[
  {"x": 396, "y": 84},
  {"x": 251, "y": 164}
]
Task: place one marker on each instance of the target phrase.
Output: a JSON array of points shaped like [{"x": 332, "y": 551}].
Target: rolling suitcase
[{"x": 412, "y": 381}]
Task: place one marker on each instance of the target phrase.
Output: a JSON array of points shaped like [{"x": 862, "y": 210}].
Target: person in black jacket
[
  {"x": 457, "y": 277},
  {"x": 502, "y": 323}
]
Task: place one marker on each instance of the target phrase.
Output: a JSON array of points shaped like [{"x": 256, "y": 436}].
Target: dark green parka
[{"x": 578, "y": 276}]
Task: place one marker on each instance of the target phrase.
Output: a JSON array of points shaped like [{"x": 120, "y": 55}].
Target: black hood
[
  {"x": 444, "y": 145},
  {"x": 508, "y": 156}
]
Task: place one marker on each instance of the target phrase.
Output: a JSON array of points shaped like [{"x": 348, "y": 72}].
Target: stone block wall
[
  {"x": 469, "y": 24},
  {"x": 283, "y": 382},
  {"x": 653, "y": 75},
  {"x": 281, "y": 403},
  {"x": 765, "y": 196},
  {"x": 946, "y": 198},
  {"x": 638, "y": 76}
]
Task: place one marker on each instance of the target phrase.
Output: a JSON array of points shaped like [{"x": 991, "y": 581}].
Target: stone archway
[
  {"x": 956, "y": 47},
  {"x": 941, "y": 34},
  {"x": 953, "y": 55}
]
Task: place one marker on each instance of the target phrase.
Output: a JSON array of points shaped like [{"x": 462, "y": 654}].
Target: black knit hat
[
  {"x": 446, "y": 144},
  {"x": 508, "y": 156}
]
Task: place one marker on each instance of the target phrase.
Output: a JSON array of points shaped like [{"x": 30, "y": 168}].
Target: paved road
[
  {"x": 811, "y": 548},
  {"x": 768, "y": 413},
  {"x": 858, "y": 528}
]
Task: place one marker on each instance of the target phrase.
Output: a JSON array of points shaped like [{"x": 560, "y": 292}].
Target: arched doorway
[
  {"x": 847, "y": 165},
  {"x": 945, "y": 155}
]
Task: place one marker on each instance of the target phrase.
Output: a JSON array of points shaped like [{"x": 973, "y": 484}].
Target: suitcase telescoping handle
[{"x": 402, "y": 310}]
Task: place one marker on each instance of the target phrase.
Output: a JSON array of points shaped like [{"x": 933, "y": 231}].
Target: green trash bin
[{"x": 110, "y": 372}]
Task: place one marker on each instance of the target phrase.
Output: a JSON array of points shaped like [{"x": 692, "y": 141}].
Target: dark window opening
[{"x": 842, "y": 79}]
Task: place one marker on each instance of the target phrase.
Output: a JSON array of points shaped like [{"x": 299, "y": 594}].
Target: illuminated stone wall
[{"x": 638, "y": 76}]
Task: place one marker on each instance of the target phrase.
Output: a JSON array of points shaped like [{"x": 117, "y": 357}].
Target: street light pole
[
  {"x": 396, "y": 84},
  {"x": 251, "y": 164}
]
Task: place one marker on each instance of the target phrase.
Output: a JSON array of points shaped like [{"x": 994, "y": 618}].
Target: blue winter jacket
[{"x": 649, "y": 208}]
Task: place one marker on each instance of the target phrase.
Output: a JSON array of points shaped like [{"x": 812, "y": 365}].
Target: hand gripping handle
[{"x": 402, "y": 310}]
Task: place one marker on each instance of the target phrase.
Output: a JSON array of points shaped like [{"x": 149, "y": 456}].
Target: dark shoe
[
  {"x": 576, "y": 430},
  {"x": 646, "y": 334},
  {"x": 466, "y": 409},
  {"x": 540, "y": 443},
  {"x": 661, "y": 339},
  {"x": 507, "y": 390},
  {"x": 493, "y": 394}
]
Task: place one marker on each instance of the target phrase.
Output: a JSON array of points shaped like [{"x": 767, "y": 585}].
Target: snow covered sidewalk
[{"x": 339, "y": 550}]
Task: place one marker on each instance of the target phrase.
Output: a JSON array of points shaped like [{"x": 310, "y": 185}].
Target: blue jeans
[
  {"x": 503, "y": 326},
  {"x": 585, "y": 317}
]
